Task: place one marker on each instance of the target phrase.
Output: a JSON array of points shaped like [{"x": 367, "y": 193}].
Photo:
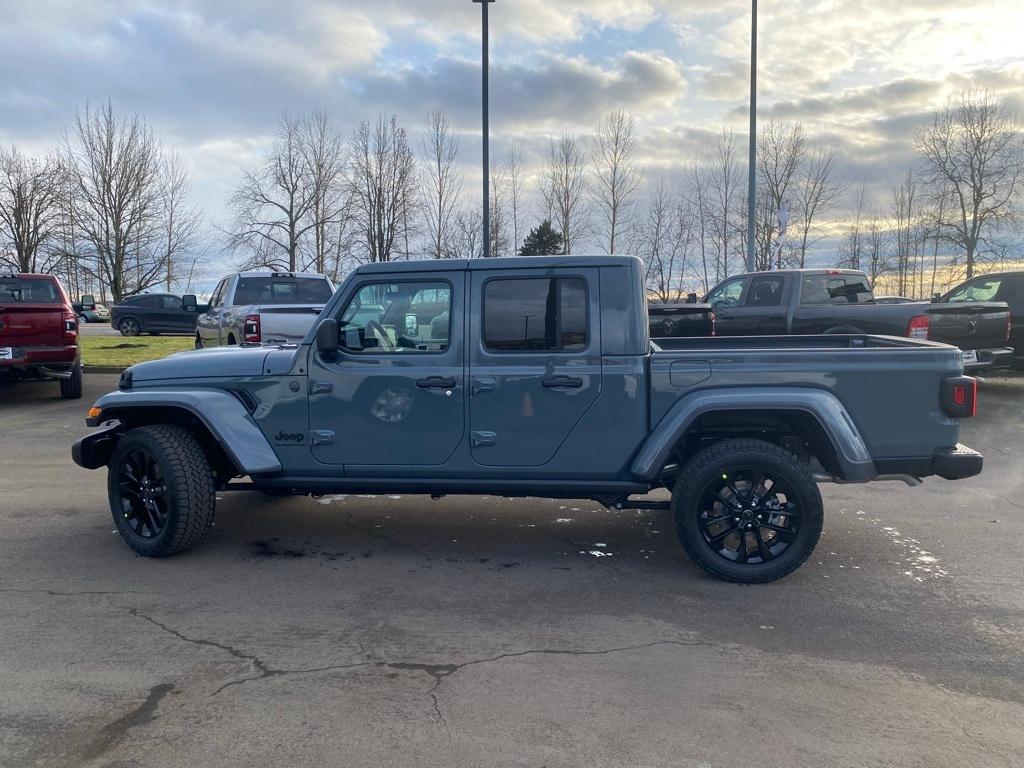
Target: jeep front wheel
[
  {"x": 747, "y": 511},
  {"x": 161, "y": 490}
]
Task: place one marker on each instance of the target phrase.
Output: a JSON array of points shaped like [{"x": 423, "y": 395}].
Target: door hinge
[
  {"x": 321, "y": 437},
  {"x": 478, "y": 439},
  {"x": 320, "y": 387}
]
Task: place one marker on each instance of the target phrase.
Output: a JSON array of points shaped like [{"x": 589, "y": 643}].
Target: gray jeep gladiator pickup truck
[{"x": 532, "y": 377}]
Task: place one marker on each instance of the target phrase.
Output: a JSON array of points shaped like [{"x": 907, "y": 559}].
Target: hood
[{"x": 223, "y": 362}]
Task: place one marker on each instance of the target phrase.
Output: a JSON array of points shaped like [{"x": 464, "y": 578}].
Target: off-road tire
[
  {"x": 71, "y": 388},
  {"x": 725, "y": 457},
  {"x": 189, "y": 486}
]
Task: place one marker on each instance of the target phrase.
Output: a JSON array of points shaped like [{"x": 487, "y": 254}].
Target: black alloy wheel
[
  {"x": 143, "y": 493},
  {"x": 748, "y": 516}
]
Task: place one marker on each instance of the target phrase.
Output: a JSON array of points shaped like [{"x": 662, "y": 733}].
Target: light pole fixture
[
  {"x": 485, "y": 108},
  {"x": 752, "y": 162}
]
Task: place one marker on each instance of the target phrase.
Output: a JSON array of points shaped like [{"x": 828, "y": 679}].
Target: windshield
[
  {"x": 14, "y": 289},
  {"x": 282, "y": 290}
]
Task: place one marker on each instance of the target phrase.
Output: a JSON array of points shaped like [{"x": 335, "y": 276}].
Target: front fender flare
[
  {"x": 220, "y": 412},
  {"x": 851, "y": 452}
]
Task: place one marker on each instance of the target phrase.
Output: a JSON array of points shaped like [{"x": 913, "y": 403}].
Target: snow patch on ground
[{"x": 330, "y": 499}]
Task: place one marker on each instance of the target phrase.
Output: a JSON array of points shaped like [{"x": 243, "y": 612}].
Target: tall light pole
[
  {"x": 752, "y": 167},
  {"x": 485, "y": 107}
]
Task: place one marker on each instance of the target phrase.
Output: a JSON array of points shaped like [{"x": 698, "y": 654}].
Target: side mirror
[
  {"x": 936, "y": 298},
  {"x": 88, "y": 302},
  {"x": 189, "y": 303},
  {"x": 327, "y": 337},
  {"x": 691, "y": 298}
]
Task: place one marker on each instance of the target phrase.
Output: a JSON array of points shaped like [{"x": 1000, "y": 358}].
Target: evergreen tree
[{"x": 544, "y": 240}]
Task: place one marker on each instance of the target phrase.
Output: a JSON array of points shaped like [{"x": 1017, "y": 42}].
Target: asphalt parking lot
[{"x": 400, "y": 631}]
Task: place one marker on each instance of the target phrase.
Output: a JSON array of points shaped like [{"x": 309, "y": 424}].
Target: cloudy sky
[{"x": 213, "y": 76}]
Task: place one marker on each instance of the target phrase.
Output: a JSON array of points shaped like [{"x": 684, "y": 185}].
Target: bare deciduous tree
[
  {"x": 323, "y": 154},
  {"x": 851, "y": 249},
  {"x": 469, "y": 228},
  {"x": 381, "y": 179},
  {"x": 115, "y": 168},
  {"x": 563, "y": 188},
  {"x": 906, "y": 221},
  {"x": 780, "y": 151},
  {"x": 179, "y": 219},
  {"x": 973, "y": 149},
  {"x": 30, "y": 210},
  {"x": 515, "y": 176},
  {"x": 616, "y": 178},
  {"x": 817, "y": 192},
  {"x": 665, "y": 239},
  {"x": 272, "y": 204},
  {"x": 442, "y": 182}
]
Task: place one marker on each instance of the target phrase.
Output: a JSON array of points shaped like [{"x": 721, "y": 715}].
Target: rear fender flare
[
  {"x": 221, "y": 413},
  {"x": 854, "y": 459}
]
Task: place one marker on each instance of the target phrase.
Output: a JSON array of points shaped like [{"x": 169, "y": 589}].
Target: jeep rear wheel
[
  {"x": 161, "y": 490},
  {"x": 747, "y": 511}
]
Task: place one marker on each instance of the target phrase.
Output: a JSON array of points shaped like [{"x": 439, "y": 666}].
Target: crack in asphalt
[
  {"x": 58, "y": 593},
  {"x": 438, "y": 672}
]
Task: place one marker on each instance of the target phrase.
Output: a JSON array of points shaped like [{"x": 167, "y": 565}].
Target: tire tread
[{"x": 194, "y": 492}]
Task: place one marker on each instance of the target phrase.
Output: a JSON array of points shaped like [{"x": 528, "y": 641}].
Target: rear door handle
[
  {"x": 436, "y": 382},
  {"x": 561, "y": 382}
]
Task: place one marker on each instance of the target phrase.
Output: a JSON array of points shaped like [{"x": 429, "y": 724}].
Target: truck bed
[{"x": 881, "y": 380}]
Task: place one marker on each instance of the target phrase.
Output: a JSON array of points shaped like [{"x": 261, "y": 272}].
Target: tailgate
[
  {"x": 970, "y": 325},
  {"x": 287, "y": 322},
  {"x": 29, "y": 325}
]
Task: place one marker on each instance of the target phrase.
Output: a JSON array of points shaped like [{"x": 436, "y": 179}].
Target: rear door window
[
  {"x": 535, "y": 314},
  {"x": 765, "y": 291},
  {"x": 274, "y": 290},
  {"x": 171, "y": 302}
]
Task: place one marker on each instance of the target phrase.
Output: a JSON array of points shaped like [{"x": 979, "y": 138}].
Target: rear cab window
[
  {"x": 282, "y": 290},
  {"x": 827, "y": 289},
  {"x": 535, "y": 314},
  {"x": 30, "y": 290}
]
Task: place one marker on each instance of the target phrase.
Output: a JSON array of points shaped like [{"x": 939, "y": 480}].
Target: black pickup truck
[{"x": 827, "y": 301}]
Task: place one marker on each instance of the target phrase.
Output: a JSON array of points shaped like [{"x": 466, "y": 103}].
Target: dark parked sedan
[{"x": 155, "y": 313}]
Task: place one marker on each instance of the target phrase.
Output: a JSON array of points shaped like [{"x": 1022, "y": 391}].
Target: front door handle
[
  {"x": 561, "y": 382},
  {"x": 436, "y": 382}
]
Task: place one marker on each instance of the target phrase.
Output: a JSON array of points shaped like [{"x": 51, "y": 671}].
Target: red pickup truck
[{"x": 39, "y": 332}]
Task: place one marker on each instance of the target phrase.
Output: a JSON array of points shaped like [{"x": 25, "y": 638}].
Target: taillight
[
  {"x": 70, "y": 326},
  {"x": 960, "y": 396},
  {"x": 1009, "y": 327},
  {"x": 251, "y": 329},
  {"x": 918, "y": 327},
  {"x": 713, "y": 319}
]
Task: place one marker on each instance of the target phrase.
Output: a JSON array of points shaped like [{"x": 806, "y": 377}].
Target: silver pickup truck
[{"x": 257, "y": 307}]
